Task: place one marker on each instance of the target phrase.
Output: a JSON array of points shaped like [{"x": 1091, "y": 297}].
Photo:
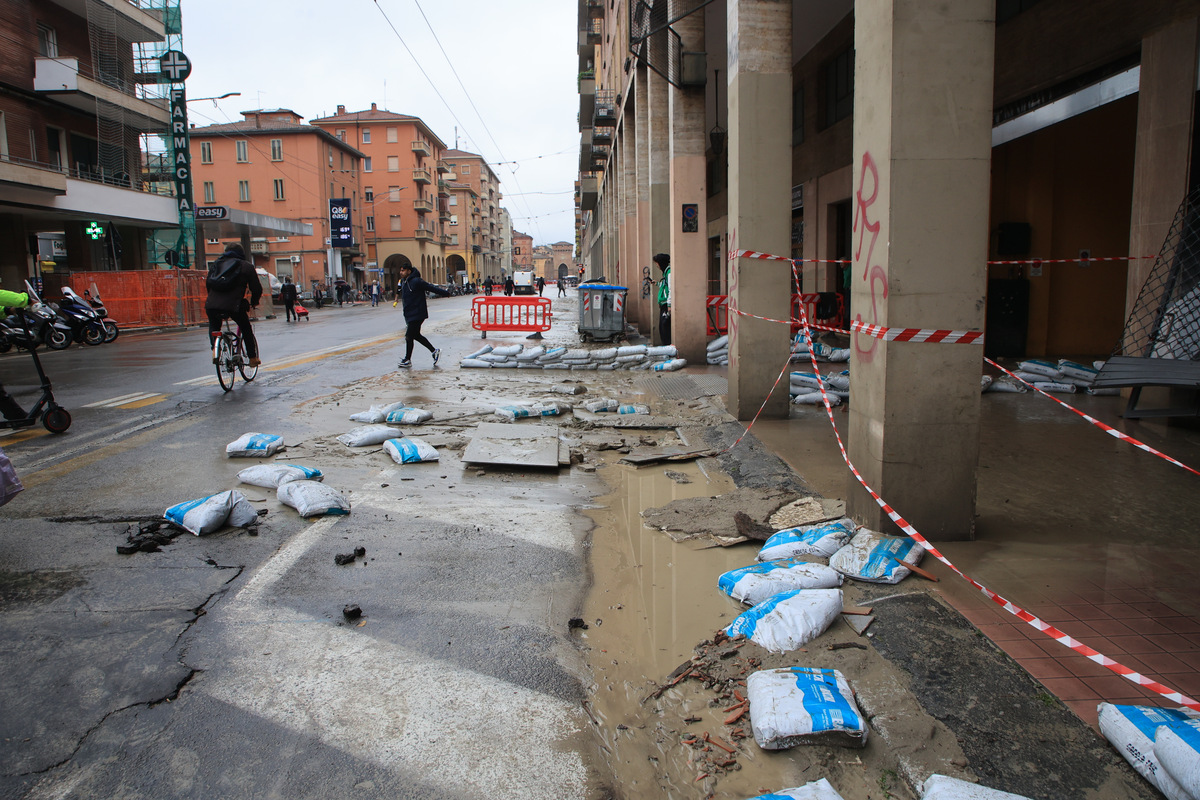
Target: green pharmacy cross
[{"x": 95, "y": 230}]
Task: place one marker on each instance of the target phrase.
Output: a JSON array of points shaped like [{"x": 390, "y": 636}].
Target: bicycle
[{"x": 229, "y": 350}]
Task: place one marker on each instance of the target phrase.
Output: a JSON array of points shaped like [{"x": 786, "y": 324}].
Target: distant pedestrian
[
  {"x": 288, "y": 296},
  {"x": 509, "y": 287},
  {"x": 541, "y": 284},
  {"x": 663, "y": 260},
  {"x": 412, "y": 291},
  {"x": 487, "y": 286},
  {"x": 376, "y": 293},
  {"x": 562, "y": 286}
]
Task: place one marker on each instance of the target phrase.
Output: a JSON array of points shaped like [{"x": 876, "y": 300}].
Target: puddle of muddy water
[{"x": 652, "y": 601}]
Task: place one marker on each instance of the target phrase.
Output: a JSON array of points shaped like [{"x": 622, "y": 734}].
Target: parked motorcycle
[
  {"x": 37, "y": 323},
  {"x": 86, "y": 325},
  {"x": 111, "y": 331}
]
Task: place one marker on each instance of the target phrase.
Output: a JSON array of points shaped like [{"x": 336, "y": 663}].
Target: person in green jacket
[
  {"x": 663, "y": 260},
  {"x": 10, "y": 300}
]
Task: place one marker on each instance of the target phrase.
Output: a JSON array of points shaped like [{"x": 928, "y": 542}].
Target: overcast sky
[{"x": 516, "y": 59}]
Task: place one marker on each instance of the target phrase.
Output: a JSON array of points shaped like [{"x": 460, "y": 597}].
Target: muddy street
[{"x": 523, "y": 632}]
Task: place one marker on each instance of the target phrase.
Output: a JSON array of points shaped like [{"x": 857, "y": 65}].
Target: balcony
[
  {"x": 131, "y": 21},
  {"x": 422, "y": 204},
  {"x": 587, "y": 101},
  {"x": 423, "y": 234},
  {"x": 18, "y": 175},
  {"x": 421, "y": 148},
  {"x": 590, "y": 35},
  {"x": 605, "y": 114},
  {"x": 602, "y": 137},
  {"x": 444, "y": 212},
  {"x": 595, "y": 9},
  {"x": 445, "y": 239},
  {"x": 61, "y": 79},
  {"x": 443, "y": 167},
  {"x": 422, "y": 175},
  {"x": 443, "y": 189}
]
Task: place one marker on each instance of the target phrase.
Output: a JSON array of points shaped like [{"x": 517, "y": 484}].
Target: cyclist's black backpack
[{"x": 223, "y": 275}]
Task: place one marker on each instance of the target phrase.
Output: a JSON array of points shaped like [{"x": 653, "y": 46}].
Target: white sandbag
[
  {"x": 810, "y": 379},
  {"x": 788, "y": 620},
  {"x": 1177, "y": 748},
  {"x": 942, "y": 787},
  {"x": 494, "y": 358},
  {"x": 583, "y": 367},
  {"x": 633, "y": 408},
  {"x": 839, "y": 381},
  {"x": 376, "y": 414},
  {"x": 1071, "y": 369},
  {"x": 631, "y": 350},
  {"x": 209, "y": 514},
  {"x": 529, "y": 354},
  {"x": 510, "y": 364},
  {"x": 815, "y": 399},
  {"x": 718, "y": 343},
  {"x": 409, "y": 416},
  {"x": 829, "y": 353},
  {"x": 410, "y": 450},
  {"x": 633, "y": 358},
  {"x": 823, "y": 540},
  {"x": 1038, "y": 367},
  {"x": 507, "y": 350},
  {"x": 487, "y": 348},
  {"x": 552, "y": 354},
  {"x": 368, "y": 435},
  {"x": 578, "y": 354},
  {"x": 984, "y": 382},
  {"x": 556, "y": 366},
  {"x": 1109, "y": 392},
  {"x": 1133, "y": 730},
  {"x": 272, "y": 476},
  {"x": 254, "y": 445},
  {"x": 667, "y": 350},
  {"x": 877, "y": 558},
  {"x": 606, "y": 367},
  {"x": 311, "y": 498},
  {"x": 603, "y": 404},
  {"x": 474, "y": 363},
  {"x": 817, "y": 790},
  {"x": 1098, "y": 365},
  {"x": 1006, "y": 384},
  {"x": 542, "y": 408},
  {"x": 528, "y": 365},
  {"x": 1055, "y": 386},
  {"x": 671, "y": 366},
  {"x": 604, "y": 354},
  {"x": 569, "y": 388},
  {"x": 717, "y": 355},
  {"x": 757, "y": 582},
  {"x": 803, "y": 705}
]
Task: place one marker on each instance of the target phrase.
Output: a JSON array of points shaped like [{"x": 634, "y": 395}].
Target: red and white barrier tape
[
  {"x": 736, "y": 254},
  {"x": 931, "y": 335},
  {"x": 1045, "y": 627},
  {"x": 1111, "y": 431}
]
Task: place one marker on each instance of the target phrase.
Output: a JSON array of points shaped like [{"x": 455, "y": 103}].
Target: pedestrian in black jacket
[
  {"x": 412, "y": 291},
  {"x": 288, "y": 296},
  {"x": 232, "y": 302}
]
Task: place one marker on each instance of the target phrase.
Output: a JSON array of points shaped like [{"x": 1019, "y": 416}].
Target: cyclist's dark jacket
[{"x": 231, "y": 301}]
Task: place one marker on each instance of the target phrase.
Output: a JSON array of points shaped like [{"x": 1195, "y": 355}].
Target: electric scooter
[{"x": 54, "y": 417}]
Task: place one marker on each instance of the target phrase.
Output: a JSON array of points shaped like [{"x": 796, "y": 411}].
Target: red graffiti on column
[
  {"x": 731, "y": 274},
  {"x": 872, "y": 273}
]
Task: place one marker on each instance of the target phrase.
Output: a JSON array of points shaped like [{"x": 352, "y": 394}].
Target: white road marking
[{"x": 117, "y": 401}]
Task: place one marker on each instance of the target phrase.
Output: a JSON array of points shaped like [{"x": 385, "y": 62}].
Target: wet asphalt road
[{"x": 222, "y": 665}]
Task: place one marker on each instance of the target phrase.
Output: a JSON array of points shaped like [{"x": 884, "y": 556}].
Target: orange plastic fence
[
  {"x": 510, "y": 314},
  {"x": 141, "y": 298}
]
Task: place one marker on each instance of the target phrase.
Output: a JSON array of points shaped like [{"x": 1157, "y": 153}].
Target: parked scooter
[
  {"x": 38, "y": 321},
  {"x": 86, "y": 325},
  {"x": 111, "y": 331}
]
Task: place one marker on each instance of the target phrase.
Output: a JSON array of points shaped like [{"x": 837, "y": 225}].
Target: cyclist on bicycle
[{"x": 228, "y": 278}]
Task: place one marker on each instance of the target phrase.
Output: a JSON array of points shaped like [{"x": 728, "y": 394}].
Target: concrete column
[
  {"x": 629, "y": 198},
  {"x": 660, "y": 191},
  {"x": 689, "y": 186},
  {"x": 641, "y": 104},
  {"x": 760, "y": 192},
  {"x": 922, "y": 158},
  {"x": 1166, "y": 96}
]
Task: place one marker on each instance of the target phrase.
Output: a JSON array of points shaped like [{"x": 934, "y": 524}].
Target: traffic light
[{"x": 94, "y": 230}]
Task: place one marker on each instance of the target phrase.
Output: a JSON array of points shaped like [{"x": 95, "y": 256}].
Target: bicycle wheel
[
  {"x": 249, "y": 373},
  {"x": 223, "y": 356}
]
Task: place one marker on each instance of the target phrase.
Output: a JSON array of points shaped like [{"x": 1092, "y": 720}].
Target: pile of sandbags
[
  {"x": 1063, "y": 377},
  {"x": 606, "y": 359},
  {"x": 718, "y": 351},
  {"x": 805, "y": 387}
]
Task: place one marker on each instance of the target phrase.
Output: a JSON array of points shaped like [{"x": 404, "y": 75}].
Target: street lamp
[
  {"x": 214, "y": 99},
  {"x": 375, "y": 225}
]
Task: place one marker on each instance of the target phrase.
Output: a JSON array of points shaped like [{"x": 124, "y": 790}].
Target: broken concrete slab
[
  {"x": 522, "y": 445},
  {"x": 807, "y": 511},
  {"x": 713, "y": 517}
]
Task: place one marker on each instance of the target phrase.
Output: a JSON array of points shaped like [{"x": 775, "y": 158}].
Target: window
[
  {"x": 279, "y": 189},
  {"x": 465, "y": 170},
  {"x": 277, "y": 149},
  {"x": 370, "y": 223},
  {"x": 210, "y": 194},
  {"x": 393, "y": 194},
  {"x": 366, "y": 134},
  {"x": 341, "y": 134},
  {"x": 798, "y": 115},
  {"x": 329, "y": 152},
  {"x": 342, "y": 161},
  {"x": 47, "y": 41},
  {"x": 393, "y": 163},
  {"x": 367, "y": 164},
  {"x": 453, "y": 199},
  {"x": 206, "y": 153},
  {"x": 369, "y": 194},
  {"x": 395, "y": 222},
  {"x": 3, "y": 137},
  {"x": 838, "y": 77},
  {"x": 244, "y": 191},
  {"x": 454, "y": 219},
  {"x": 393, "y": 136},
  {"x": 243, "y": 151}
]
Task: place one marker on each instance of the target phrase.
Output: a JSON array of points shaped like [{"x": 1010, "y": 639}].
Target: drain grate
[{"x": 673, "y": 386}]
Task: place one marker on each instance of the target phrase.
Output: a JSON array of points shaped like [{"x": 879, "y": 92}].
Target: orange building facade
[
  {"x": 481, "y": 244},
  {"x": 273, "y": 164},
  {"x": 404, "y": 206}
]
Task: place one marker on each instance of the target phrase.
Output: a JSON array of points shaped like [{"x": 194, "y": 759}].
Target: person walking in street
[
  {"x": 509, "y": 287},
  {"x": 487, "y": 286},
  {"x": 663, "y": 260},
  {"x": 228, "y": 279},
  {"x": 412, "y": 291},
  {"x": 562, "y": 286},
  {"x": 376, "y": 293},
  {"x": 541, "y": 284},
  {"x": 288, "y": 296}
]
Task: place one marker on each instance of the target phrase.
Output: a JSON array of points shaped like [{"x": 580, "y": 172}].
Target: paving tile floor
[{"x": 1094, "y": 536}]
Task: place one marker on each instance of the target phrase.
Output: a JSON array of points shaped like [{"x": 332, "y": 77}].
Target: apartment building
[
  {"x": 79, "y": 85},
  {"x": 464, "y": 254},
  {"x": 522, "y": 251},
  {"x": 505, "y": 228},
  {"x": 948, "y": 166},
  {"x": 272, "y": 164},
  {"x": 406, "y": 191},
  {"x": 470, "y": 169}
]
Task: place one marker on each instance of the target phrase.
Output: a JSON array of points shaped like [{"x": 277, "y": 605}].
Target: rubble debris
[
  {"x": 576, "y": 622},
  {"x": 148, "y": 536},
  {"x": 352, "y": 612},
  {"x": 751, "y": 529}
]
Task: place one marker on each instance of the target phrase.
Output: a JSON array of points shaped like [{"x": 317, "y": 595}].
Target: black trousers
[
  {"x": 289, "y": 310},
  {"x": 413, "y": 334},
  {"x": 664, "y": 324},
  {"x": 242, "y": 320}
]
